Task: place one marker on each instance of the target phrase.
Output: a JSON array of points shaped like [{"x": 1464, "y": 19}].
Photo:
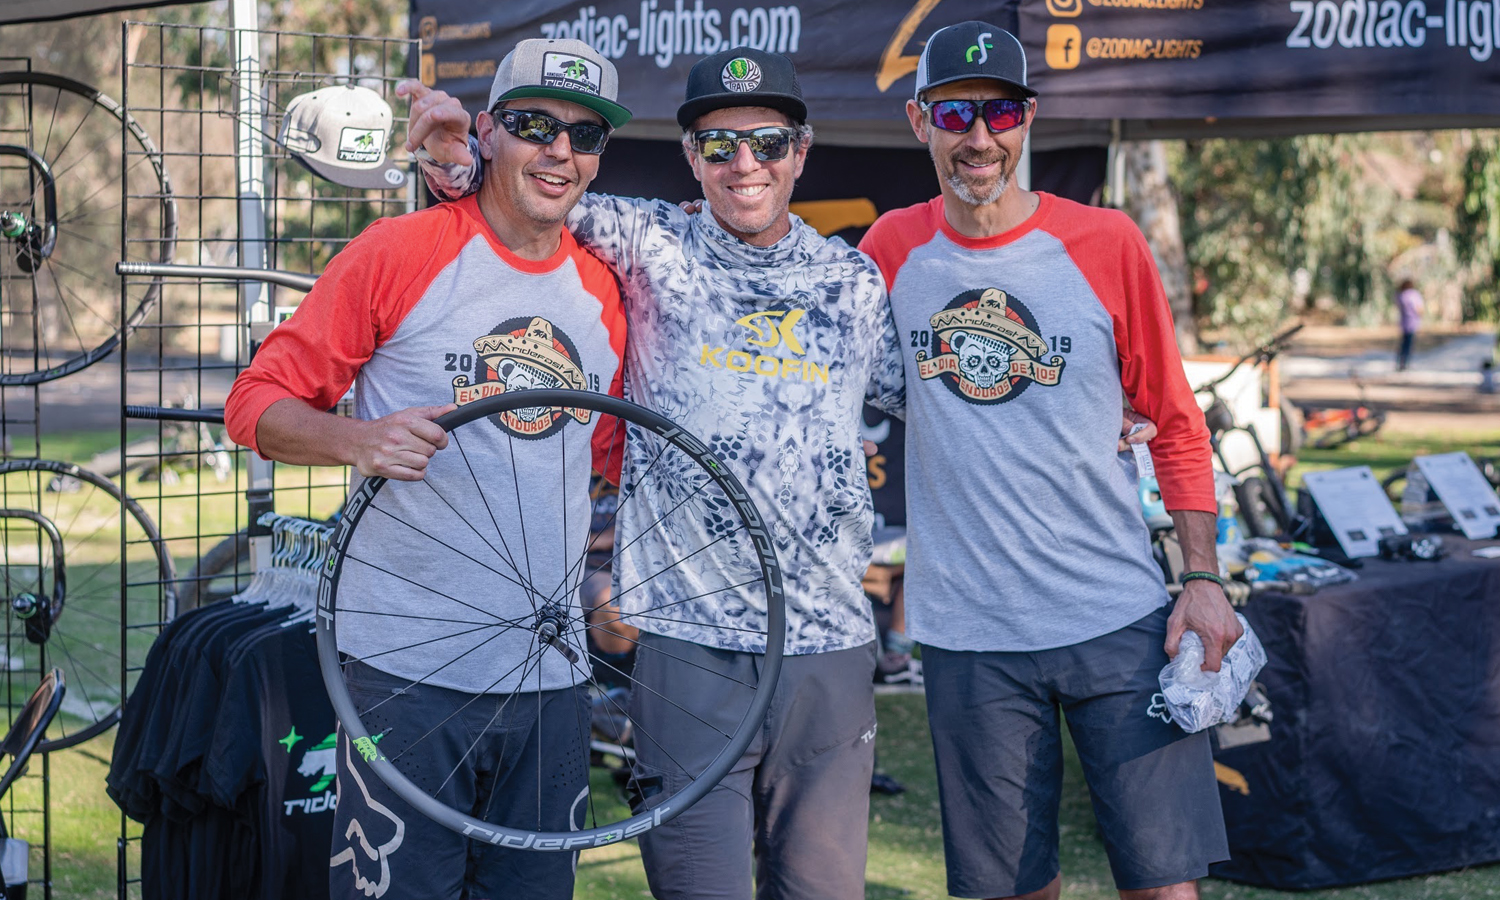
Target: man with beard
[
  {"x": 391, "y": 313},
  {"x": 1031, "y": 585}
]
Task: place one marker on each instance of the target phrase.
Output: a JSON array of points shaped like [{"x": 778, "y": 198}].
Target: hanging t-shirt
[
  {"x": 426, "y": 309},
  {"x": 1024, "y": 528},
  {"x": 272, "y": 761}
]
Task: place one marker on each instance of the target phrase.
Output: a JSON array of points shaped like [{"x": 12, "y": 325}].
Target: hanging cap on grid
[{"x": 341, "y": 134}]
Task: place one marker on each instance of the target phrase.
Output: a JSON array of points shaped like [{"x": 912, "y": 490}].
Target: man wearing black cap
[
  {"x": 762, "y": 338},
  {"x": 1029, "y": 316}
]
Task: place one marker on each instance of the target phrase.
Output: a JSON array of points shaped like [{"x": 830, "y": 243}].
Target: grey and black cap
[
  {"x": 560, "y": 70},
  {"x": 742, "y": 77},
  {"x": 341, "y": 133},
  {"x": 972, "y": 50}
]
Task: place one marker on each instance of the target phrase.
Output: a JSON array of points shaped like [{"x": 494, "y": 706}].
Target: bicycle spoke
[
  {"x": 637, "y": 725},
  {"x": 672, "y": 566},
  {"x": 732, "y": 587},
  {"x": 511, "y": 623},
  {"x": 425, "y": 587},
  {"x": 679, "y": 659},
  {"x": 624, "y": 616},
  {"x": 445, "y": 621},
  {"x": 524, "y": 665},
  {"x": 579, "y": 564},
  {"x": 650, "y": 528},
  {"x": 499, "y": 708},
  {"x": 423, "y": 679},
  {"x": 515, "y": 480},
  {"x": 671, "y": 702},
  {"x": 509, "y": 556},
  {"x": 446, "y": 546}
]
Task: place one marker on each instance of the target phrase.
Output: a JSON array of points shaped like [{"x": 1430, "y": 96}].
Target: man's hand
[
  {"x": 399, "y": 445},
  {"x": 1201, "y": 608},
  {"x": 437, "y": 124},
  {"x": 1130, "y": 419},
  {"x": 691, "y": 207}
]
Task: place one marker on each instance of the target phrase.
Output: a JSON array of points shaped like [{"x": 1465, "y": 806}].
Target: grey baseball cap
[
  {"x": 341, "y": 133},
  {"x": 560, "y": 70}
]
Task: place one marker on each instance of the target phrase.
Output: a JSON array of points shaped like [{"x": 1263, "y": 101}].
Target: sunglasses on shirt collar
[
  {"x": 540, "y": 128},
  {"x": 719, "y": 145},
  {"x": 958, "y": 116}
]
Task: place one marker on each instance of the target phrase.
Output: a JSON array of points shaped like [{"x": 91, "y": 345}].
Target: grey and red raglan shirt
[
  {"x": 766, "y": 354},
  {"x": 1024, "y": 527},
  {"x": 422, "y": 310}
]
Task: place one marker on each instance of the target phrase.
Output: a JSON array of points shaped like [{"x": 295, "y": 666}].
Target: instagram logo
[{"x": 1065, "y": 9}]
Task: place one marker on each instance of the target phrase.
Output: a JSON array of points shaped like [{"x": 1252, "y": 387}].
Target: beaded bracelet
[{"x": 1201, "y": 576}]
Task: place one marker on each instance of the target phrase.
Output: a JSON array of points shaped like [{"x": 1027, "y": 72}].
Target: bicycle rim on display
[
  {"x": 502, "y": 530},
  {"x": 77, "y": 177},
  {"x": 65, "y": 531}
]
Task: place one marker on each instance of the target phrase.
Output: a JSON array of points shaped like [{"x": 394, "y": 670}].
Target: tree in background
[{"x": 1478, "y": 234}]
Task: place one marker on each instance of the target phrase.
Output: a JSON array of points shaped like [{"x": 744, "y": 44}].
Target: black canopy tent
[
  {"x": 1106, "y": 70},
  {"x": 13, "y": 11}
]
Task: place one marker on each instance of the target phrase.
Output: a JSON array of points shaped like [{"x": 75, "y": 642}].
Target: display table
[{"x": 1384, "y": 757}]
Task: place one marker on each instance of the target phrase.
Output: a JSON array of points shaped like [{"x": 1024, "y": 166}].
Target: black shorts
[
  {"x": 996, "y": 735},
  {"x": 384, "y": 848}
]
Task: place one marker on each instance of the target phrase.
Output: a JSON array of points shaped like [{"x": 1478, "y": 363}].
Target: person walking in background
[{"x": 1409, "y": 303}]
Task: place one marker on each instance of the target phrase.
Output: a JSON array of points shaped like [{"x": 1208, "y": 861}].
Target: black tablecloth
[{"x": 1384, "y": 758}]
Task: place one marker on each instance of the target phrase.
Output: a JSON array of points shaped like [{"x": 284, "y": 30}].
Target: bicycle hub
[
  {"x": 26, "y": 605},
  {"x": 13, "y": 225},
  {"x": 550, "y": 628}
]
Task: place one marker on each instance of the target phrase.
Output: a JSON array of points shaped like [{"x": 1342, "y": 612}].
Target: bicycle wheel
[
  {"x": 77, "y": 176},
  {"x": 489, "y": 533},
  {"x": 77, "y": 555},
  {"x": 1260, "y": 507}
]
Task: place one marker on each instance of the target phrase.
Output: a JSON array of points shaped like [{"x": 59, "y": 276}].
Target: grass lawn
[
  {"x": 905, "y": 840},
  {"x": 906, "y": 849},
  {"x": 1385, "y": 453}
]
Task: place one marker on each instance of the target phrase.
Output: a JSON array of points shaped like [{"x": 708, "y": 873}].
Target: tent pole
[
  {"x": 1116, "y": 166},
  {"x": 250, "y": 173}
]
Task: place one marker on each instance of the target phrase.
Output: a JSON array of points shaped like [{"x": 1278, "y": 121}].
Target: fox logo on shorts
[
  {"x": 987, "y": 348},
  {"x": 525, "y": 354},
  {"x": 369, "y": 860}
]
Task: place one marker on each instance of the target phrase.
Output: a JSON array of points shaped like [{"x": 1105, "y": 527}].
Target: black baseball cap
[
  {"x": 742, "y": 77},
  {"x": 972, "y": 50}
]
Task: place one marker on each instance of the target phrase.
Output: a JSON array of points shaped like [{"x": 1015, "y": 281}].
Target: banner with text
[
  {"x": 1091, "y": 59},
  {"x": 1140, "y": 59}
]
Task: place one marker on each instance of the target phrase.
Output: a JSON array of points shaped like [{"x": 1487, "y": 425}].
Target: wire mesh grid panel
[{"x": 187, "y": 87}]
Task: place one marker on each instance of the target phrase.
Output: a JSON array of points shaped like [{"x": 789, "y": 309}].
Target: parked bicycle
[{"x": 1260, "y": 491}]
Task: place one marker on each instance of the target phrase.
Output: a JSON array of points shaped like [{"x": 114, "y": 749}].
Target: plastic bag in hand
[{"x": 1197, "y": 699}]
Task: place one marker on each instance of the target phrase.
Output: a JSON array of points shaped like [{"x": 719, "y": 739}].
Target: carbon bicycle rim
[
  {"x": 494, "y": 528},
  {"x": 77, "y": 177},
  {"x": 76, "y": 555}
]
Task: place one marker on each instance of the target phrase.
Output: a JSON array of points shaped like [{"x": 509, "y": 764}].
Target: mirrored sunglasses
[
  {"x": 539, "y": 128},
  {"x": 719, "y": 145},
  {"x": 958, "y": 116}
]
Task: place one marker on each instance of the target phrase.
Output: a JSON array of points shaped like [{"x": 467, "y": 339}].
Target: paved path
[{"x": 1439, "y": 393}]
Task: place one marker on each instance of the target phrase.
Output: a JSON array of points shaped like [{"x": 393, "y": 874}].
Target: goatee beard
[{"x": 961, "y": 188}]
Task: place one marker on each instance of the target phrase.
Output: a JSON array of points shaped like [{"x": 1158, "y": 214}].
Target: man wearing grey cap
[
  {"x": 1029, "y": 317},
  {"x": 492, "y": 277},
  {"x": 764, "y": 339}
]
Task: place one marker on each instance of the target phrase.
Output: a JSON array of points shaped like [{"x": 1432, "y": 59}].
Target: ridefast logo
[{"x": 769, "y": 329}]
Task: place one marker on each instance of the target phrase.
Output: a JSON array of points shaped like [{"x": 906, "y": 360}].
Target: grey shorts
[
  {"x": 384, "y": 848},
  {"x": 996, "y": 736},
  {"x": 794, "y": 810}
]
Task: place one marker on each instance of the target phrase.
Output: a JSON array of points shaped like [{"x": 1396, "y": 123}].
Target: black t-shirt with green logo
[{"x": 271, "y": 760}]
